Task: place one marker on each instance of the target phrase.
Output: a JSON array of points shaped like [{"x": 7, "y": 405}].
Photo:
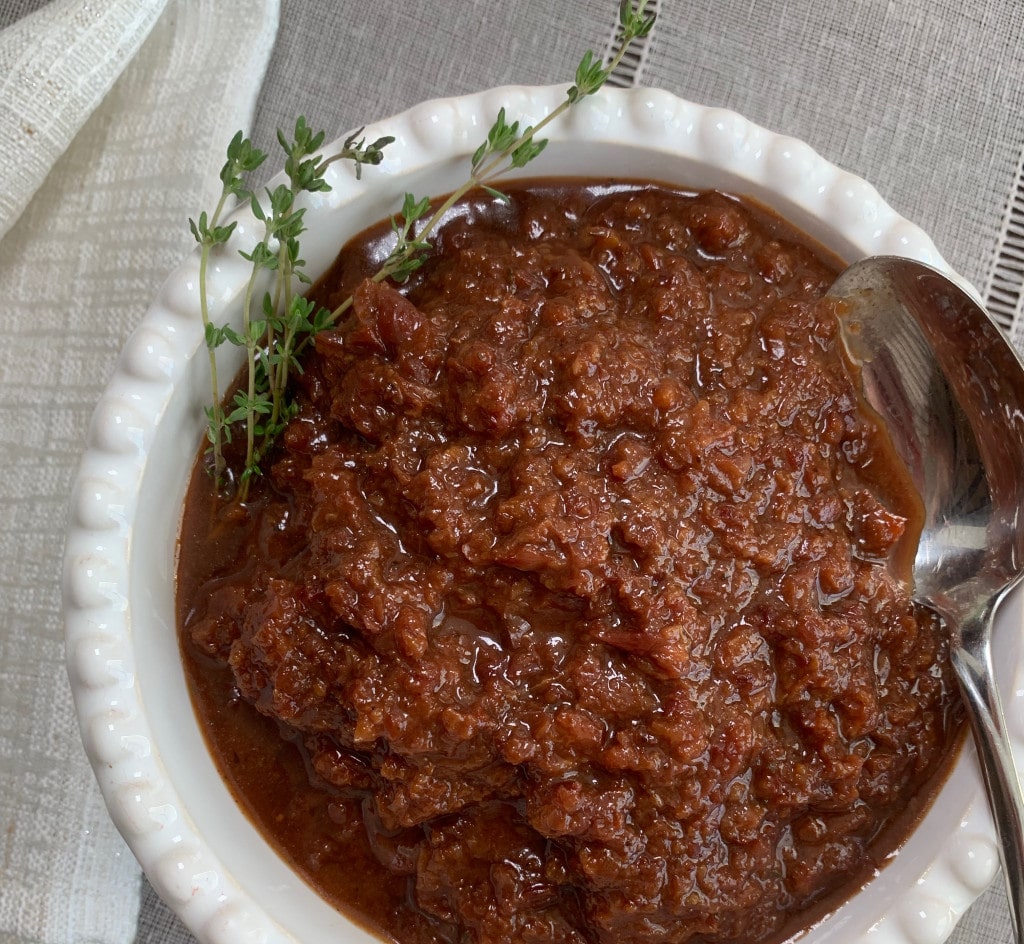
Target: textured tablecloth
[{"x": 924, "y": 99}]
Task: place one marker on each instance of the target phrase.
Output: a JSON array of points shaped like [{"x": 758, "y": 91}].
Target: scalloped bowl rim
[{"x": 161, "y": 787}]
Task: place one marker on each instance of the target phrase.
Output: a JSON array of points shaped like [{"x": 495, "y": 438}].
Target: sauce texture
[{"x": 570, "y": 610}]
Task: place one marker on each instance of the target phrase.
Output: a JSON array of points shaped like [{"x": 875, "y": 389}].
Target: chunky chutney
[{"x": 571, "y": 606}]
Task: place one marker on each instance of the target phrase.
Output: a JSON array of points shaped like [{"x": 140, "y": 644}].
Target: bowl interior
[{"x": 245, "y": 866}]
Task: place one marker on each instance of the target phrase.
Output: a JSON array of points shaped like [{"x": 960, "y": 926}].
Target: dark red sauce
[{"x": 571, "y": 607}]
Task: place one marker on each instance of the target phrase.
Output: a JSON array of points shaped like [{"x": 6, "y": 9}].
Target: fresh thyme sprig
[
  {"x": 270, "y": 331},
  {"x": 270, "y": 341},
  {"x": 242, "y": 158},
  {"x": 275, "y": 334}
]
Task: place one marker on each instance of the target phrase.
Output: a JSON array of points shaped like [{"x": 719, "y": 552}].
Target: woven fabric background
[
  {"x": 924, "y": 98},
  {"x": 52, "y": 87}
]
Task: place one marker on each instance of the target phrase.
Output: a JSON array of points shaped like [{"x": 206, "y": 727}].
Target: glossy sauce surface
[{"x": 570, "y": 610}]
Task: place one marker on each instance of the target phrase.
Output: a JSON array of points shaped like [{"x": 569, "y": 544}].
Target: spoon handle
[{"x": 972, "y": 662}]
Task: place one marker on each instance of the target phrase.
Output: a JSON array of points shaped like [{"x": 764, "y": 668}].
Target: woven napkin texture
[
  {"x": 131, "y": 108},
  {"x": 55, "y": 67}
]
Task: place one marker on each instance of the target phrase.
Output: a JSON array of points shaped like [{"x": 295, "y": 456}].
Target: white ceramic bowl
[{"x": 199, "y": 851}]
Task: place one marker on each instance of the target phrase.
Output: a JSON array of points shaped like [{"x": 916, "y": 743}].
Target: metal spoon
[{"x": 951, "y": 389}]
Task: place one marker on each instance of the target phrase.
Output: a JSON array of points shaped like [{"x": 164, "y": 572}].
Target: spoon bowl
[{"x": 942, "y": 376}]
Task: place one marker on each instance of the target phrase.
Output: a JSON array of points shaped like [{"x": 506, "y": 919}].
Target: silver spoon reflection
[{"x": 951, "y": 389}]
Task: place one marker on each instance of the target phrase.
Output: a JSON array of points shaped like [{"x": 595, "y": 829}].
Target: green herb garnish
[
  {"x": 270, "y": 331},
  {"x": 242, "y": 158},
  {"x": 277, "y": 323}
]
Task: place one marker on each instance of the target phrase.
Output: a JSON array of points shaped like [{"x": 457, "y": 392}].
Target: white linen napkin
[
  {"x": 56, "y": 65},
  {"x": 114, "y": 116}
]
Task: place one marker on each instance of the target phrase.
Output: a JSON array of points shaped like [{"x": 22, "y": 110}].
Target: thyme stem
[
  {"x": 242, "y": 157},
  {"x": 216, "y": 424}
]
